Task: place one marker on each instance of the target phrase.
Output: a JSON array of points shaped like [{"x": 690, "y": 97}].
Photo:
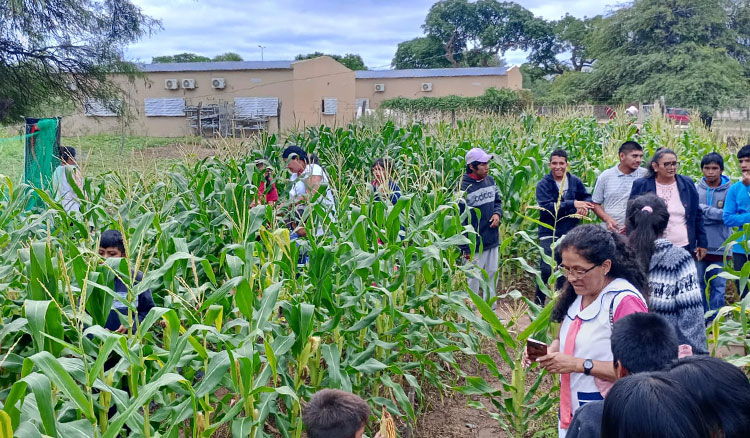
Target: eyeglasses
[
  {"x": 674, "y": 164},
  {"x": 577, "y": 273}
]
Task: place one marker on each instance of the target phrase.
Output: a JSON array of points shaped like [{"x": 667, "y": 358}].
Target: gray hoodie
[{"x": 712, "y": 204}]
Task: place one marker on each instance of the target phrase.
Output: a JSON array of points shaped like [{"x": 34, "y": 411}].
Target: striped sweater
[{"x": 675, "y": 293}]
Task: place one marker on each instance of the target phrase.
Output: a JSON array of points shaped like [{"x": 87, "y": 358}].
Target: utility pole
[{"x": 261, "y": 52}]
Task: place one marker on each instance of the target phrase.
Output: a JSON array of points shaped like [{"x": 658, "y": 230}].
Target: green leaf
[
  {"x": 52, "y": 368},
  {"x": 370, "y": 366},
  {"x": 44, "y": 317},
  {"x": 42, "y": 389},
  {"x": 490, "y": 316}
]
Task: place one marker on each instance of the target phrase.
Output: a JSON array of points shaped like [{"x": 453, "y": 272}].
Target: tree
[
  {"x": 229, "y": 56},
  {"x": 180, "y": 57},
  {"x": 574, "y": 37},
  {"x": 350, "y": 60},
  {"x": 422, "y": 52},
  {"x": 64, "y": 50},
  {"x": 688, "y": 51},
  {"x": 454, "y": 24}
]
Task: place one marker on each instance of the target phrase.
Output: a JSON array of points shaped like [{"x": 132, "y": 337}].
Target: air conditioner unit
[
  {"x": 218, "y": 83},
  {"x": 426, "y": 86},
  {"x": 380, "y": 87},
  {"x": 171, "y": 84},
  {"x": 188, "y": 84}
]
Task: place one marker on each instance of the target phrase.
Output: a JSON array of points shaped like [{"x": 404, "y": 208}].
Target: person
[
  {"x": 712, "y": 193},
  {"x": 482, "y": 195},
  {"x": 737, "y": 210},
  {"x": 603, "y": 284},
  {"x": 685, "y": 228},
  {"x": 641, "y": 342},
  {"x": 718, "y": 387},
  {"x": 307, "y": 178},
  {"x": 383, "y": 185},
  {"x": 272, "y": 195},
  {"x": 672, "y": 276},
  {"x": 612, "y": 188},
  {"x": 111, "y": 245},
  {"x": 655, "y": 405},
  {"x": 61, "y": 187},
  {"x": 332, "y": 413},
  {"x": 560, "y": 196}
]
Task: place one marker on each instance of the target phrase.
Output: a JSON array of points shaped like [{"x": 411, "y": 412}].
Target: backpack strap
[{"x": 612, "y": 314}]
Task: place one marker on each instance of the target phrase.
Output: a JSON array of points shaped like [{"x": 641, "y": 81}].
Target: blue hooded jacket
[{"x": 711, "y": 201}]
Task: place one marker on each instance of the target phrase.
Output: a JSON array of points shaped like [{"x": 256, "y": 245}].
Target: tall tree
[
  {"x": 350, "y": 60},
  {"x": 689, "y": 51},
  {"x": 64, "y": 50},
  {"x": 574, "y": 37},
  {"x": 229, "y": 56},
  {"x": 454, "y": 24},
  {"x": 422, "y": 52},
  {"x": 180, "y": 57}
]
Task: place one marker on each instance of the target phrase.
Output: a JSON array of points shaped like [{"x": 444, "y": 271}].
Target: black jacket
[
  {"x": 689, "y": 197},
  {"x": 484, "y": 196},
  {"x": 144, "y": 305},
  {"x": 547, "y": 195}
]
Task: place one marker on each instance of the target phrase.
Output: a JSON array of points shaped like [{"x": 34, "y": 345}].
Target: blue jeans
[{"x": 718, "y": 285}]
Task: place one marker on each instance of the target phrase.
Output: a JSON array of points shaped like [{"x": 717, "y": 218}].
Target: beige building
[{"x": 225, "y": 98}]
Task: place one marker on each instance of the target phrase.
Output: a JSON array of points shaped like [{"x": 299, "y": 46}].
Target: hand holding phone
[{"x": 535, "y": 349}]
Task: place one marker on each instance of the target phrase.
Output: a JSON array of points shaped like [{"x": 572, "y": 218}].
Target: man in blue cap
[{"x": 482, "y": 197}]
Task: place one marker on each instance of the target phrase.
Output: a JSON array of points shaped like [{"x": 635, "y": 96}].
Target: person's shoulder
[{"x": 607, "y": 173}]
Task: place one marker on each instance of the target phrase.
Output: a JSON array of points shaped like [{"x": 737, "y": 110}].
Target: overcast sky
[{"x": 371, "y": 28}]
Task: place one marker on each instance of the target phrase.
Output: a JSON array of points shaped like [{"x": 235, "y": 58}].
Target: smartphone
[{"x": 535, "y": 349}]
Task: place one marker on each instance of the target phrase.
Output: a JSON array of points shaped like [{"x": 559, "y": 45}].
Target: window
[
  {"x": 101, "y": 108},
  {"x": 256, "y": 106},
  {"x": 330, "y": 106},
  {"x": 164, "y": 107}
]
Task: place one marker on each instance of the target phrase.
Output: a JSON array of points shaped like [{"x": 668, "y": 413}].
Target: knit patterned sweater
[{"x": 675, "y": 293}]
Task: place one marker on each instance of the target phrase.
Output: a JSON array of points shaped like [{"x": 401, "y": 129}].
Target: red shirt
[{"x": 271, "y": 196}]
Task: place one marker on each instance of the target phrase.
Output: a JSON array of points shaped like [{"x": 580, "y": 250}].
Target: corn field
[{"x": 242, "y": 335}]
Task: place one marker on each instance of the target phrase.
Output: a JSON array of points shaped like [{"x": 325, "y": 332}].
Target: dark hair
[
  {"x": 744, "y": 152},
  {"x": 332, "y": 413},
  {"x": 717, "y": 385},
  {"x": 656, "y": 406},
  {"x": 67, "y": 153},
  {"x": 629, "y": 146},
  {"x": 559, "y": 153},
  {"x": 713, "y": 157},
  {"x": 384, "y": 163},
  {"x": 297, "y": 151},
  {"x": 596, "y": 245},
  {"x": 655, "y": 159},
  {"x": 470, "y": 167},
  {"x": 645, "y": 226},
  {"x": 112, "y": 239},
  {"x": 644, "y": 342}
]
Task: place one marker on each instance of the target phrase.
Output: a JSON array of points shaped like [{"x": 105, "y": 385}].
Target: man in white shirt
[
  {"x": 307, "y": 177},
  {"x": 612, "y": 189},
  {"x": 63, "y": 174}
]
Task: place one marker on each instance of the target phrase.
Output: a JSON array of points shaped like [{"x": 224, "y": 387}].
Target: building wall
[
  {"x": 317, "y": 79},
  {"x": 467, "y": 86}
]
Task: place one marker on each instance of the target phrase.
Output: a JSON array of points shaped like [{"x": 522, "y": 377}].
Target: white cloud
[{"x": 286, "y": 28}]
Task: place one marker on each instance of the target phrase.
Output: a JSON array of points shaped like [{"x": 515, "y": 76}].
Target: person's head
[
  {"x": 558, "y": 163},
  {"x": 591, "y": 257},
  {"x": 381, "y": 169},
  {"x": 646, "y": 218},
  {"x": 743, "y": 155},
  {"x": 663, "y": 164},
  {"x": 262, "y": 166},
  {"x": 631, "y": 155},
  {"x": 67, "y": 155},
  {"x": 654, "y": 405},
  {"x": 111, "y": 244},
  {"x": 332, "y": 413},
  {"x": 712, "y": 165},
  {"x": 642, "y": 342},
  {"x": 478, "y": 162},
  {"x": 296, "y": 159},
  {"x": 712, "y": 382}
]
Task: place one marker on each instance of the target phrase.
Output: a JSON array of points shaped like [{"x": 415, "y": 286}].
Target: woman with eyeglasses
[
  {"x": 685, "y": 228},
  {"x": 672, "y": 275},
  {"x": 604, "y": 283}
]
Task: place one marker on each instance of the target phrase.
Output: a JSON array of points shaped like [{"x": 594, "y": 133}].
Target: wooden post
[{"x": 278, "y": 117}]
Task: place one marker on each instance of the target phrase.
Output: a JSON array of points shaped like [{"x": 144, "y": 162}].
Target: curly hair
[{"x": 596, "y": 245}]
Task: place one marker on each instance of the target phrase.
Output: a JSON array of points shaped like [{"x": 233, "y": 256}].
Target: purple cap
[{"x": 477, "y": 154}]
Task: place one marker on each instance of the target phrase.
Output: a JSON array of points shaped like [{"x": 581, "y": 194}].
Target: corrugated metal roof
[
  {"x": 216, "y": 66},
  {"x": 430, "y": 72}
]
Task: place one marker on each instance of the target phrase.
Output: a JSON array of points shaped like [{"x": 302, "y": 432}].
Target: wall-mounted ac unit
[
  {"x": 188, "y": 84},
  {"x": 171, "y": 84},
  {"x": 218, "y": 83},
  {"x": 426, "y": 86},
  {"x": 380, "y": 87}
]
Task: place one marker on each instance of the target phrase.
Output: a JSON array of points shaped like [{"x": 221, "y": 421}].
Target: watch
[{"x": 588, "y": 365}]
